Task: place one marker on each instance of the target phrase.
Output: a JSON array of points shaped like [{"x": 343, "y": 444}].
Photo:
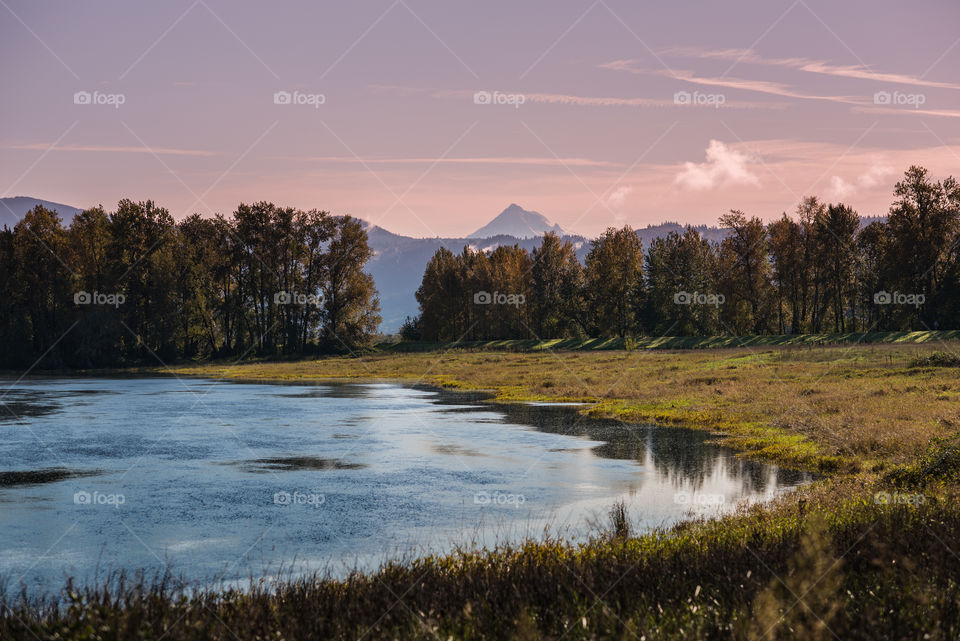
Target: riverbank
[
  {"x": 825, "y": 569},
  {"x": 836, "y": 409},
  {"x": 869, "y": 552},
  {"x": 682, "y": 342}
]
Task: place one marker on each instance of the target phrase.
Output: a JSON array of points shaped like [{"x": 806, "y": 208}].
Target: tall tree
[
  {"x": 557, "y": 276},
  {"x": 923, "y": 224},
  {"x": 42, "y": 283},
  {"x": 746, "y": 274},
  {"x": 442, "y": 297},
  {"x": 351, "y": 308},
  {"x": 679, "y": 267},
  {"x": 836, "y": 231},
  {"x": 614, "y": 281}
]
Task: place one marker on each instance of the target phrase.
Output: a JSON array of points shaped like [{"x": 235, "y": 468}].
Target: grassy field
[
  {"x": 870, "y": 551},
  {"x": 682, "y": 342}
]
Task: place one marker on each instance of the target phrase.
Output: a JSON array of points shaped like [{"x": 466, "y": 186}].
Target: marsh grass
[
  {"x": 619, "y": 521},
  {"x": 835, "y": 561},
  {"x": 853, "y": 569}
]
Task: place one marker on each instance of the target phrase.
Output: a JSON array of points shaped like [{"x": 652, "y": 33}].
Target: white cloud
[
  {"x": 724, "y": 166},
  {"x": 860, "y": 72},
  {"x": 618, "y": 197},
  {"x": 874, "y": 176},
  {"x": 159, "y": 151}
]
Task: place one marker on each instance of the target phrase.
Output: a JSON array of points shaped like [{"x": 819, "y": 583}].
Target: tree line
[
  {"x": 134, "y": 286},
  {"x": 820, "y": 270}
]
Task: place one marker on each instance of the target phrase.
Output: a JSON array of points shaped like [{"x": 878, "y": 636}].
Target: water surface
[{"x": 234, "y": 480}]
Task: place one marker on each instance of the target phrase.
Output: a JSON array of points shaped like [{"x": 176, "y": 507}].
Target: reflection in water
[
  {"x": 121, "y": 473},
  {"x": 35, "y": 477},
  {"x": 682, "y": 457},
  {"x": 292, "y": 463}
]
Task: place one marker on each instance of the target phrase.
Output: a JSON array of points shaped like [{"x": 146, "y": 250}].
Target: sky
[{"x": 429, "y": 117}]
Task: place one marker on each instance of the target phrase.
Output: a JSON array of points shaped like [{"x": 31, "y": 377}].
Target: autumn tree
[
  {"x": 614, "y": 282},
  {"x": 923, "y": 225},
  {"x": 351, "y": 307},
  {"x": 557, "y": 283},
  {"x": 745, "y": 274},
  {"x": 679, "y": 267}
]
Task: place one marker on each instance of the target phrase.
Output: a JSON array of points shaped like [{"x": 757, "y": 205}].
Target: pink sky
[{"x": 602, "y": 113}]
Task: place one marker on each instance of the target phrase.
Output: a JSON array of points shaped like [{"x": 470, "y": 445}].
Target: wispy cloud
[
  {"x": 483, "y": 160},
  {"x": 724, "y": 167},
  {"x": 809, "y": 65},
  {"x": 161, "y": 151},
  {"x": 571, "y": 99},
  {"x": 760, "y": 86},
  {"x": 871, "y": 109},
  {"x": 619, "y": 196},
  {"x": 858, "y": 103}
]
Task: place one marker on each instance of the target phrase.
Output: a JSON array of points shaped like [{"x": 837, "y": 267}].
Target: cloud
[
  {"x": 724, "y": 166},
  {"x": 569, "y": 99},
  {"x": 591, "y": 101},
  {"x": 859, "y": 72},
  {"x": 618, "y": 197},
  {"x": 863, "y": 103},
  {"x": 160, "y": 151},
  {"x": 871, "y": 178},
  {"x": 759, "y": 86},
  {"x": 615, "y": 201},
  {"x": 476, "y": 160}
]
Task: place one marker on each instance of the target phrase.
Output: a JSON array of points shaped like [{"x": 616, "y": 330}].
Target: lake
[{"x": 226, "y": 480}]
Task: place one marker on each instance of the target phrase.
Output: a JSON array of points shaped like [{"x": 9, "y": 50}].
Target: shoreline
[{"x": 851, "y": 555}]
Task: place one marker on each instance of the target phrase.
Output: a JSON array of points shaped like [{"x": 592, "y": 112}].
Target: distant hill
[
  {"x": 399, "y": 261},
  {"x": 650, "y": 232},
  {"x": 13, "y": 209},
  {"x": 517, "y": 222}
]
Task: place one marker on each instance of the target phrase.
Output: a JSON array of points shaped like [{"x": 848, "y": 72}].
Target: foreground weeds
[{"x": 860, "y": 570}]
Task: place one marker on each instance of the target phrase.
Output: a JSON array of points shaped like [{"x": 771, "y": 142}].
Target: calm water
[{"x": 227, "y": 480}]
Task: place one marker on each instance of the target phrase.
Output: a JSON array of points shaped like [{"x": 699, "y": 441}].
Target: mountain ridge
[
  {"x": 517, "y": 222},
  {"x": 12, "y": 209}
]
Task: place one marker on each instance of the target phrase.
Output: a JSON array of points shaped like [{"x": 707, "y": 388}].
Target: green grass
[{"x": 680, "y": 342}]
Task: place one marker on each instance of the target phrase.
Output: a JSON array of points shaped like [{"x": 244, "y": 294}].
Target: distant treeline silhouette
[
  {"x": 133, "y": 286},
  {"x": 819, "y": 271}
]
